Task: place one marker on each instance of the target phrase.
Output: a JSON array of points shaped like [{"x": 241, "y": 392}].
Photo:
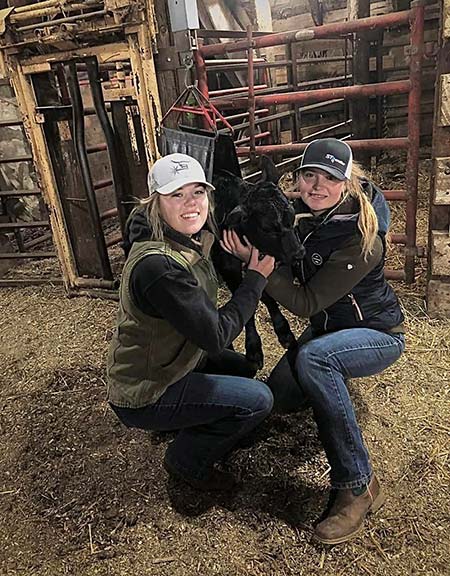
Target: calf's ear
[
  {"x": 268, "y": 169},
  {"x": 235, "y": 217}
]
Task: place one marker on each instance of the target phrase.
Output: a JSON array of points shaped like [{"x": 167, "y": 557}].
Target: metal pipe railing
[
  {"x": 59, "y": 21},
  {"x": 301, "y": 97},
  {"x": 319, "y": 32},
  {"x": 297, "y": 148},
  {"x": 202, "y": 80},
  {"x": 259, "y": 136},
  {"x": 238, "y": 90},
  {"x": 251, "y": 95},
  {"x": 243, "y": 115},
  {"x": 415, "y": 18},
  {"x": 412, "y": 162}
]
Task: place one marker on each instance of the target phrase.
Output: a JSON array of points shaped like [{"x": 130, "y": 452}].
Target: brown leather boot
[{"x": 346, "y": 517}]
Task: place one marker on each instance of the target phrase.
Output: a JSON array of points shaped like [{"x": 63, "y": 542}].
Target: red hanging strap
[{"x": 203, "y": 107}]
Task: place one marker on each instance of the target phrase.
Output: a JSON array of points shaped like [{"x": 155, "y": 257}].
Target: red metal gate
[{"x": 257, "y": 98}]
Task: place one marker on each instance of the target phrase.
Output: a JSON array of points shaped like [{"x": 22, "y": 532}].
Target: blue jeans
[
  {"x": 323, "y": 364},
  {"x": 211, "y": 412}
]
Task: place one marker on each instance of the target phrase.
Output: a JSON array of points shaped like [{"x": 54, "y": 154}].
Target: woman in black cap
[{"x": 355, "y": 321}]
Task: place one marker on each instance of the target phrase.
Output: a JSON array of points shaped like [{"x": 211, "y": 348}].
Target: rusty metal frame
[
  {"x": 415, "y": 18},
  {"x": 136, "y": 24}
]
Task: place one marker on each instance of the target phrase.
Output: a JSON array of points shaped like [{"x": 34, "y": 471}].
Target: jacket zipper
[
  {"x": 301, "y": 262},
  {"x": 356, "y": 307},
  {"x": 325, "y": 324}
]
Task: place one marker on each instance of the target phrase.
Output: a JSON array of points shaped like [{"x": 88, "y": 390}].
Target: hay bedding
[{"x": 79, "y": 494}]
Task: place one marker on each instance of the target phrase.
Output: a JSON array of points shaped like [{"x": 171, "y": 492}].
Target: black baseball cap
[{"x": 331, "y": 155}]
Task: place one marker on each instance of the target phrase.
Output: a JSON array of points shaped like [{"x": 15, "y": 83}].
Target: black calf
[{"x": 262, "y": 213}]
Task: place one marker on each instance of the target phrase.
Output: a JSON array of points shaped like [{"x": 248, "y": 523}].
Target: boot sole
[{"x": 376, "y": 505}]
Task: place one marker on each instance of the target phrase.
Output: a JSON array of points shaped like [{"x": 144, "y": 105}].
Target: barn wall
[
  {"x": 298, "y": 15},
  {"x": 438, "y": 289}
]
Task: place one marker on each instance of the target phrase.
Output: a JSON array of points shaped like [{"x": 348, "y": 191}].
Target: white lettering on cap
[{"x": 333, "y": 159}]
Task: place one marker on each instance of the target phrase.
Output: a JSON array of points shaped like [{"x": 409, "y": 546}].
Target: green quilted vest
[{"x": 147, "y": 354}]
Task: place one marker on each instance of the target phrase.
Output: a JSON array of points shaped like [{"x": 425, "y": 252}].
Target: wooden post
[
  {"x": 438, "y": 288},
  {"x": 166, "y": 61},
  {"x": 34, "y": 127}
]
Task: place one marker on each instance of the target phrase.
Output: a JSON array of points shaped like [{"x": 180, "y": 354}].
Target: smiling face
[
  {"x": 319, "y": 190},
  {"x": 186, "y": 209}
]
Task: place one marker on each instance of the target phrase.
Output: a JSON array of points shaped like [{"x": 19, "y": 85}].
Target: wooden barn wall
[{"x": 297, "y": 15}]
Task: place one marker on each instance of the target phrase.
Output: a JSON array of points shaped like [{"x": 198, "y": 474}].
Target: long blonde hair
[
  {"x": 152, "y": 208},
  {"x": 367, "y": 220}
]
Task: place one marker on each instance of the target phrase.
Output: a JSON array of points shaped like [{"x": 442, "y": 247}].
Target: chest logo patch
[
  {"x": 316, "y": 259},
  {"x": 349, "y": 266}
]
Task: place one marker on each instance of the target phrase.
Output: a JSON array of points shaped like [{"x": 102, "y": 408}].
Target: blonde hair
[
  {"x": 151, "y": 204},
  {"x": 367, "y": 221}
]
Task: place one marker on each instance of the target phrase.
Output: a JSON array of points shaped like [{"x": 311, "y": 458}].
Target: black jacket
[
  {"x": 337, "y": 288},
  {"x": 162, "y": 288}
]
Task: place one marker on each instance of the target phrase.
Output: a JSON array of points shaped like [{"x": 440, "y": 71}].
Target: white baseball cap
[{"x": 175, "y": 171}]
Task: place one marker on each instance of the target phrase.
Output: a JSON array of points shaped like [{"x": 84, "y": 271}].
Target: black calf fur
[{"x": 262, "y": 213}]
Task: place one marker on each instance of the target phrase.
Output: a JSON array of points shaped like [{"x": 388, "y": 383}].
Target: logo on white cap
[
  {"x": 174, "y": 171},
  {"x": 179, "y": 166}
]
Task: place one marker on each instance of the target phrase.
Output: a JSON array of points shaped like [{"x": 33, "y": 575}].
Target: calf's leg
[
  {"x": 281, "y": 326},
  {"x": 230, "y": 270}
]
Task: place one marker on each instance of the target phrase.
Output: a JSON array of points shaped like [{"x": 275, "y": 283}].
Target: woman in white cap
[
  {"x": 355, "y": 325},
  {"x": 168, "y": 366}
]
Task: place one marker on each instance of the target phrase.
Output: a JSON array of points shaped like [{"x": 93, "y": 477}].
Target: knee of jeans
[
  {"x": 263, "y": 402},
  {"x": 308, "y": 363}
]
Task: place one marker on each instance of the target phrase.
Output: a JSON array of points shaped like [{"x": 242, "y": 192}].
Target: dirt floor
[{"x": 82, "y": 495}]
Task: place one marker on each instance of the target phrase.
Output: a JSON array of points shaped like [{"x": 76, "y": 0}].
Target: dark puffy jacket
[{"x": 372, "y": 303}]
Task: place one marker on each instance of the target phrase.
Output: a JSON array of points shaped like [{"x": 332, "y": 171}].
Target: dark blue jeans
[
  {"x": 323, "y": 365},
  {"x": 212, "y": 412}
]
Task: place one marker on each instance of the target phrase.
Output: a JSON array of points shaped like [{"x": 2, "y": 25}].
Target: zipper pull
[{"x": 355, "y": 305}]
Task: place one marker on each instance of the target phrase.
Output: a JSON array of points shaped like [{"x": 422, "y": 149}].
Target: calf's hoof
[
  {"x": 286, "y": 340},
  {"x": 256, "y": 360}
]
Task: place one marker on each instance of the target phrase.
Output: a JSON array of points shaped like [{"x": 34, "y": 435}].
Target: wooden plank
[
  {"x": 21, "y": 224},
  {"x": 128, "y": 130},
  {"x": 438, "y": 298},
  {"x": 26, "y": 99},
  {"x": 167, "y": 79},
  {"x": 440, "y": 215},
  {"x": 106, "y": 53},
  {"x": 440, "y": 253},
  {"x": 446, "y": 19},
  {"x": 72, "y": 195},
  {"x": 146, "y": 89},
  {"x": 444, "y": 100},
  {"x": 26, "y": 255},
  {"x": 441, "y": 189}
]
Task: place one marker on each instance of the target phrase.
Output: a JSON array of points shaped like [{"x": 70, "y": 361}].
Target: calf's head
[{"x": 266, "y": 217}]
